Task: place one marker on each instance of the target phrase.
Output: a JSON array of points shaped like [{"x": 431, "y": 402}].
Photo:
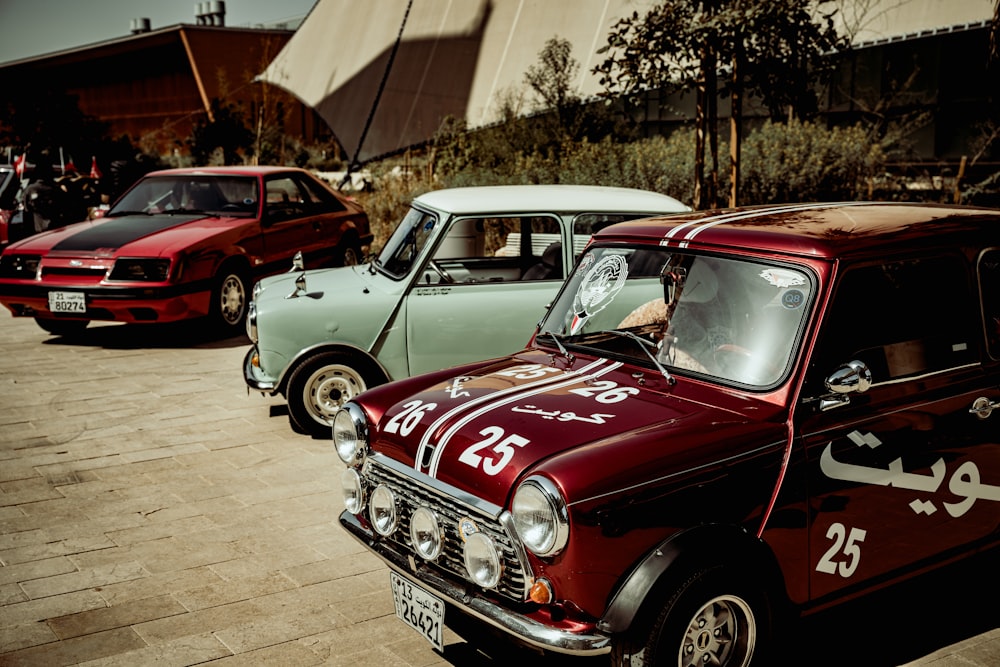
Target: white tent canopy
[
  {"x": 459, "y": 58},
  {"x": 455, "y": 58}
]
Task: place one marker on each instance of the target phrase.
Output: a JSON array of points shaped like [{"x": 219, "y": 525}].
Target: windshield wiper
[
  {"x": 558, "y": 341},
  {"x": 645, "y": 345}
]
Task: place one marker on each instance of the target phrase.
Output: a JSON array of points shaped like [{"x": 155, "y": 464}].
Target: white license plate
[
  {"x": 67, "y": 302},
  {"x": 419, "y": 609}
]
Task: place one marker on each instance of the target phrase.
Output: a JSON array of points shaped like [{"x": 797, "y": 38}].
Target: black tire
[
  {"x": 348, "y": 251},
  {"x": 62, "y": 327},
  {"x": 320, "y": 385},
  {"x": 714, "y": 617},
  {"x": 230, "y": 300}
]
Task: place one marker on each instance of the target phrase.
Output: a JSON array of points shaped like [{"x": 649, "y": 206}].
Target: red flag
[
  {"x": 95, "y": 171},
  {"x": 19, "y": 166},
  {"x": 70, "y": 168}
]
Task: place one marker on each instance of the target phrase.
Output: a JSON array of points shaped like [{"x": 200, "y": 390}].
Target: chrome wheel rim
[
  {"x": 351, "y": 257},
  {"x": 722, "y": 632},
  {"x": 328, "y": 388},
  {"x": 232, "y": 299}
]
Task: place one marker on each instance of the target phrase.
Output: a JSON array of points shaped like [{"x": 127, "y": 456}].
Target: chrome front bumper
[
  {"x": 521, "y": 628},
  {"x": 254, "y": 382}
]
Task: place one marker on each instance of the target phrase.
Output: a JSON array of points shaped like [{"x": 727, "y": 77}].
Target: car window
[
  {"x": 406, "y": 243},
  {"x": 901, "y": 318},
  {"x": 586, "y": 225},
  {"x": 284, "y": 199},
  {"x": 317, "y": 195},
  {"x": 989, "y": 288},
  {"x": 184, "y": 193},
  {"x": 499, "y": 249}
]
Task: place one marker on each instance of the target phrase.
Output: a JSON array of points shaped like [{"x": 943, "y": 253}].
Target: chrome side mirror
[
  {"x": 851, "y": 378},
  {"x": 298, "y": 262}
]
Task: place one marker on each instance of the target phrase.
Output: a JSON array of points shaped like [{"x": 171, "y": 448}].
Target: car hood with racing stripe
[
  {"x": 106, "y": 236},
  {"x": 593, "y": 423}
]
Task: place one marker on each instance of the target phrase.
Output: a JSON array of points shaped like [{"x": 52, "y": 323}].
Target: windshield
[
  {"x": 729, "y": 318},
  {"x": 229, "y": 195},
  {"x": 405, "y": 244}
]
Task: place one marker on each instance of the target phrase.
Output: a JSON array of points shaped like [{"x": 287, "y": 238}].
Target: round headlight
[
  {"x": 540, "y": 516},
  {"x": 382, "y": 510},
  {"x": 425, "y": 533},
  {"x": 354, "y": 491},
  {"x": 482, "y": 560},
  {"x": 350, "y": 434}
]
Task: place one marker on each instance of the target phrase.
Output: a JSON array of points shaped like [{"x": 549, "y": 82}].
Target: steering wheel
[
  {"x": 438, "y": 269},
  {"x": 739, "y": 363}
]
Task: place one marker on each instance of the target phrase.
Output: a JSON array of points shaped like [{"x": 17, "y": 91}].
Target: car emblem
[
  {"x": 75, "y": 262},
  {"x": 467, "y": 528}
]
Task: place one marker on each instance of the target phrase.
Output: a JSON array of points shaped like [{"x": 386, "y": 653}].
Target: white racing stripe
[
  {"x": 505, "y": 397},
  {"x": 692, "y": 229}
]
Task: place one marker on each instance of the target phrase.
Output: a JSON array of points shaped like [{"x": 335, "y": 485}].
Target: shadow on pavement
[{"x": 192, "y": 333}]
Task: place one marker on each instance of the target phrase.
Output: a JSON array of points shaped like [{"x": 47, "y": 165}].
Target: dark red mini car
[
  {"x": 179, "y": 244},
  {"x": 722, "y": 418}
]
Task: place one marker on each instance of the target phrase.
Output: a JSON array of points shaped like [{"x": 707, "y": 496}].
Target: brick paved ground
[{"x": 152, "y": 512}]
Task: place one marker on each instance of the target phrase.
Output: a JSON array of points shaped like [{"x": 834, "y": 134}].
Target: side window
[
  {"x": 989, "y": 288},
  {"x": 283, "y": 199},
  {"x": 477, "y": 250},
  {"x": 901, "y": 318}
]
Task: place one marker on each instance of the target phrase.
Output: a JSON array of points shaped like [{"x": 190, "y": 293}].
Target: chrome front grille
[{"x": 413, "y": 489}]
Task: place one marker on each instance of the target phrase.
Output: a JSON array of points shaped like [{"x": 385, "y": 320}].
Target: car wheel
[
  {"x": 62, "y": 327},
  {"x": 229, "y": 300},
  {"x": 318, "y": 387},
  {"x": 712, "y": 618},
  {"x": 348, "y": 252}
]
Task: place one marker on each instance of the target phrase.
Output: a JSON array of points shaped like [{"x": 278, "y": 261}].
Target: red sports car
[{"x": 179, "y": 244}]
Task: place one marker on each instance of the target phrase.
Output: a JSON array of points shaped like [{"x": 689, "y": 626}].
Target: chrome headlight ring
[
  {"x": 541, "y": 516},
  {"x": 350, "y": 434}
]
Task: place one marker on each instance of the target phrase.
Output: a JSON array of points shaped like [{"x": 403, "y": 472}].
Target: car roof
[
  {"x": 818, "y": 230},
  {"x": 239, "y": 170},
  {"x": 510, "y": 199}
]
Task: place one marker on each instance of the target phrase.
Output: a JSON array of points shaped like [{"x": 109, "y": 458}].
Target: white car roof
[{"x": 504, "y": 199}]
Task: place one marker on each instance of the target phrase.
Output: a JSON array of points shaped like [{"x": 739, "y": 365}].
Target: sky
[{"x": 36, "y": 27}]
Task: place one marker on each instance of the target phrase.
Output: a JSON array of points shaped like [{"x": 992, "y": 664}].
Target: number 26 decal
[
  {"x": 504, "y": 446},
  {"x": 408, "y": 418},
  {"x": 846, "y": 544}
]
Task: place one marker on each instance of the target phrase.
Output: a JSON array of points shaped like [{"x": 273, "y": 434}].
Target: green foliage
[
  {"x": 805, "y": 162},
  {"x": 679, "y": 43},
  {"x": 224, "y": 138}
]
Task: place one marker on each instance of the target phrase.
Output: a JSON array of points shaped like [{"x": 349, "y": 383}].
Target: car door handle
[
  {"x": 317, "y": 227},
  {"x": 983, "y": 407}
]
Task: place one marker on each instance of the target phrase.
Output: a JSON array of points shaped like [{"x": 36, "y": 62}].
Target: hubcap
[
  {"x": 723, "y": 632},
  {"x": 329, "y": 388},
  {"x": 232, "y": 299}
]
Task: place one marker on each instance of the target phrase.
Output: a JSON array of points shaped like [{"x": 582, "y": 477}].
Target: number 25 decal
[
  {"x": 846, "y": 543},
  {"x": 409, "y": 417},
  {"x": 504, "y": 446}
]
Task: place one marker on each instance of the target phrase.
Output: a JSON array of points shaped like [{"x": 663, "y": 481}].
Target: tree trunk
[
  {"x": 699, "y": 143},
  {"x": 712, "y": 121},
  {"x": 735, "y": 134}
]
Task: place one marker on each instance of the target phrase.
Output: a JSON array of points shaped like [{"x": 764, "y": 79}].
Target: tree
[
  {"x": 772, "y": 49},
  {"x": 222, "y": 135}
]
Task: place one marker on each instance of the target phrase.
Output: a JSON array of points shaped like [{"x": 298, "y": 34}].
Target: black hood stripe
[{"x": 116, "y": 232}]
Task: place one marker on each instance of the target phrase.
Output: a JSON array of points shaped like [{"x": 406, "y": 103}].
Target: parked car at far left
[
  {"x": 181, "y": 244},
  {"x": 10, "y": 184}
]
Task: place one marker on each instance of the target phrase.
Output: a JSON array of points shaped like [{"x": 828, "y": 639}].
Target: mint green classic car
[{"x": 465, "y": 276}]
